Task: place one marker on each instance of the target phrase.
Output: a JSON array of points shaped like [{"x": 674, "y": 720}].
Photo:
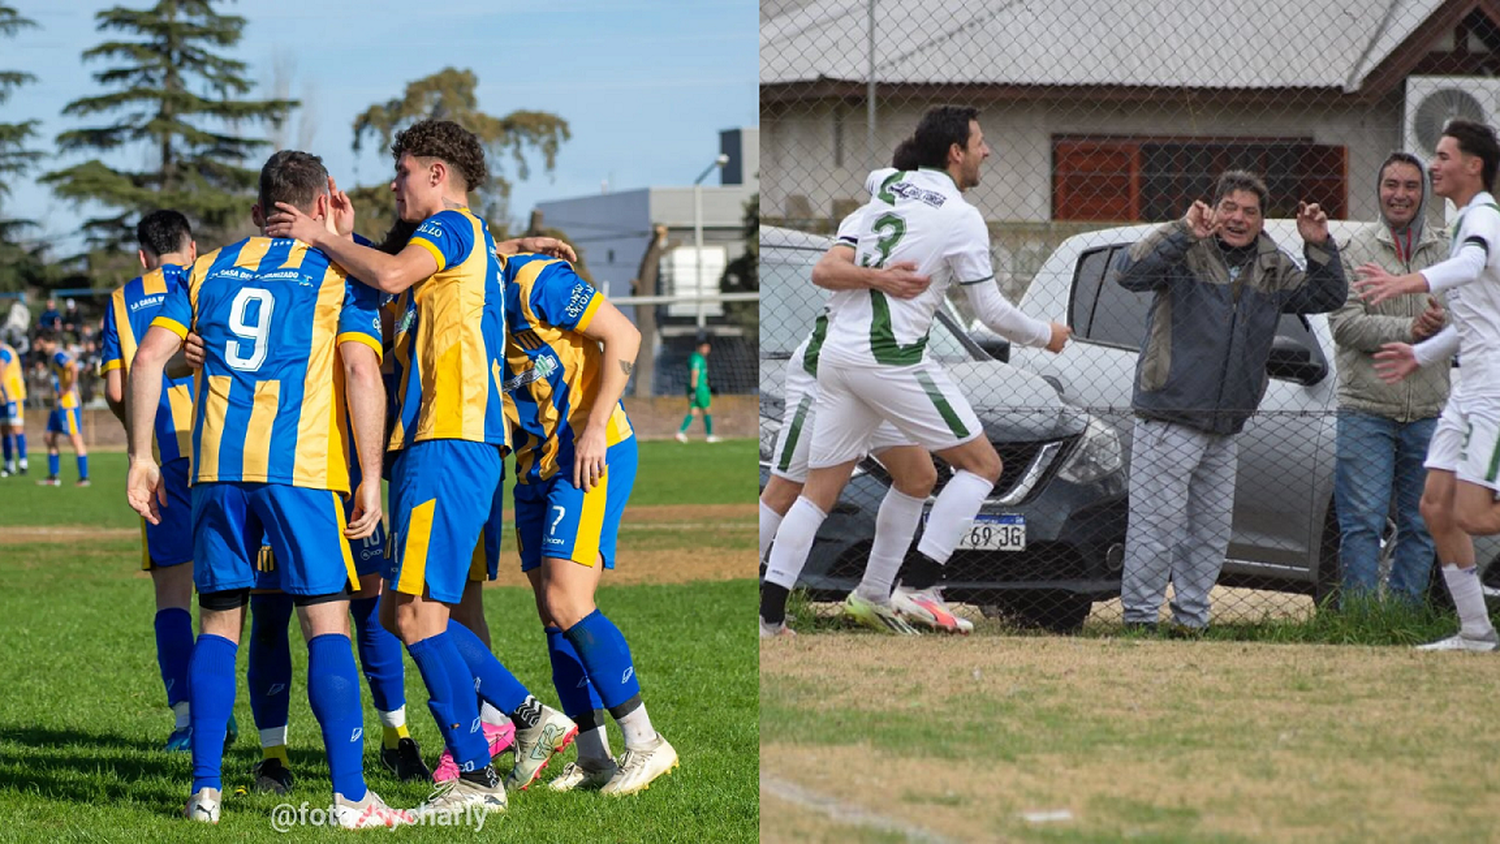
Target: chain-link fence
[{"x": 1216, "y": 370}]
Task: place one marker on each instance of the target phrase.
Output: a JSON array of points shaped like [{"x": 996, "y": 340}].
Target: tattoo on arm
[{"x": 626, "y": 366}]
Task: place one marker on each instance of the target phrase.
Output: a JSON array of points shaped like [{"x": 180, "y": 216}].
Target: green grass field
[{"x": 83, "y": 713}]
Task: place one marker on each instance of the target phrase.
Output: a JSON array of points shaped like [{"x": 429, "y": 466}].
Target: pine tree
[
  {"x": 449, "y": 95},
  {"x": 14, "y": 157},
  {"x": 173, "y": 92}
]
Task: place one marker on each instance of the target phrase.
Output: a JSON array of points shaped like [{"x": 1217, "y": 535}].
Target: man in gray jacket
[
  {"x": 1383, "y": 429},
  {"x": 1221, "y": 286}
]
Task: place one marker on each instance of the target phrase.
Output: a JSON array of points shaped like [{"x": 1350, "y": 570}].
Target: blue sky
[{"x": 645, "y": 85}]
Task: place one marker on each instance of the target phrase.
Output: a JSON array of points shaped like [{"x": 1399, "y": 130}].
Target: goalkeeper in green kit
[{"x": 698, "y": 394}]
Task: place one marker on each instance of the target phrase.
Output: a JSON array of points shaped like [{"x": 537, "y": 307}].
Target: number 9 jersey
[{"x": 270, "y": 396}]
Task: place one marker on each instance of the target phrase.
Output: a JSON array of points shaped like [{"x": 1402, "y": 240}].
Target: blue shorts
[
  {"x": 556, "y": 519},
  {"x": 303, "y": 527},
  {"x": 171, "y": 542},
  {"x": 64, "y": 421},
  {"x": 485, "y": 564},
  {"x": 12, "y": 413},
  {"x": 441, "y": 497},
  {"x": 368, "y": 554}
]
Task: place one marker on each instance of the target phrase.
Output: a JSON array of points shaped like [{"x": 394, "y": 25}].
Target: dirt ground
[
  {"x": 639, "y": 561},
  {"x": 1001, "y": 739}
]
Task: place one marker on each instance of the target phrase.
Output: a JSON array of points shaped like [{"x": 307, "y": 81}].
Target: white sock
[
  {"x": 273, "y": 736},
  {"x": 795, "y": 536},
  {"x": 955, "y": 508},
  {"x": 770, "y": 520},
  {"x": 895, "y": 525},
  {"x": 183, "y": 714},
  {"x": 393, "y": 719},
  {"x": 1468, "y": 597},
  {"x": 492, "y": 716},
  {"x": 636, "y": 726}
]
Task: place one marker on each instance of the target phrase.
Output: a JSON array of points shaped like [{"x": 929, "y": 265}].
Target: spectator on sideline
[{"x": 51, "y": 320}]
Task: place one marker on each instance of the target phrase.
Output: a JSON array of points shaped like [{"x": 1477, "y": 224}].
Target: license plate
[{"x": 995, "y": 533}]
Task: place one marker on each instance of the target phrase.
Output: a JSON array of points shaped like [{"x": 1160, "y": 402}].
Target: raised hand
[
  {"x": 1312, "y": 223},
  {"x": 1395, "y": 361},
  {"x": 1200, "y": 220},
  {"x": 341, "y": 210},
  {"x": 1375, "y": 285}
]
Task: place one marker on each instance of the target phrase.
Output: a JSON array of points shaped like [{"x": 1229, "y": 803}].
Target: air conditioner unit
[{"x": 1431, "y": 101}]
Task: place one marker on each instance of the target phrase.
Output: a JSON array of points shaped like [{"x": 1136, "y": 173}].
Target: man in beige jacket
[{"x": 1383, "y": 429}]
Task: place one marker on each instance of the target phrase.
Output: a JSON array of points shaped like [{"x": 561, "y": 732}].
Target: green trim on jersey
[
  {"x": 815, "y": 345},
  {"x": 883, "y": 345},
  {"x": 940, "y": 401}
]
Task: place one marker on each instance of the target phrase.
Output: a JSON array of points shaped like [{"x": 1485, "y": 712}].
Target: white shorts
[
  {"x": 921, "y": 401},
  {"x": 793, "y": 441},
  {"x": 1466, "y": 441}
]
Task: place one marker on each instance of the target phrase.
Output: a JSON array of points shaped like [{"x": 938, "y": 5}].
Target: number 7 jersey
[
  {"x": 919, "y": 217},
  {"x": 270, "y": 396}
]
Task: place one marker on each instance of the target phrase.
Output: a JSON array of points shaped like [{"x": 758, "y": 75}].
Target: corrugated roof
[{"x": 1174, "y": 43}]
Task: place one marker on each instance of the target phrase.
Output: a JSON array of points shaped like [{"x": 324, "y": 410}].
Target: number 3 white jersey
[
  {"x": 912, "y": 216},
  {"x": 1471, "y": 278}
]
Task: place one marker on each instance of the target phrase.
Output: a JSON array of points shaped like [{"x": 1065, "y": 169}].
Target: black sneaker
[
  {"x": 405, "y": 761},
  {"x": 271, "y": 777}
]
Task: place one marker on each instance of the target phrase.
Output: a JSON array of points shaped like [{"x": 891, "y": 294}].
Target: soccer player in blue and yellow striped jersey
[
  {"x": 449, "y": 437},
  {"x": 64, "y": 419},
  {"x": 12, "y": 410},
  {"x": 567, "y": 362},
  {"x": 284, "y": 331},
  {"x": 166, "y": 252}
]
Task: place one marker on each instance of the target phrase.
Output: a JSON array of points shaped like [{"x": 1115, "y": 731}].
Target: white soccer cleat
[
  {"x": 681, "y": 437},
  {"x": 204, "y": 805},
  {"x": 457, "y": 798},
  {"x": 369, "y": 813},
  {"x": 926, "y": 608},
  {"x": 711, "y": 439},
  {"x": 577, "y": 776},
  {"x": 639, "y": 768},
  {"x": 774, "y": 631},
  {"x": 1460, "y": 642},
  {"x": 536, "y": 745}
]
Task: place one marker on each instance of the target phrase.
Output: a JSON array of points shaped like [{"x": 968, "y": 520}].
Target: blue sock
[
  {"x": 451, "y": 701},
  {"x": 211, "y": 696},
  {"x": 333, "y": 693},
  {"x": 83, "y": 467},
  {"x": 605, "y": 656},
  {"x": 54, "y": 464},
  {"x": 270, "y": 674},
  {"x": 21, "y": 446},
  {"x": 174, "y": 647},
  {"x": 8, "y": 451},
  {"x": 379, "y": 656},
  {"x": 495, "y": 684},
  {"x": 568, "y": 677}
]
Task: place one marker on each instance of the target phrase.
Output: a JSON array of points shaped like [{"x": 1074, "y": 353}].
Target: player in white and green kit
[{"x": 873, "y": 365}]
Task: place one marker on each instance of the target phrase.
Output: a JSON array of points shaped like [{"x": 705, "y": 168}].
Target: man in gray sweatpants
[{"x": 1221, "y": 285}]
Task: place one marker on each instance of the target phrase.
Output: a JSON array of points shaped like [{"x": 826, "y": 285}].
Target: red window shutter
[{"x": 1096, "y": 180}]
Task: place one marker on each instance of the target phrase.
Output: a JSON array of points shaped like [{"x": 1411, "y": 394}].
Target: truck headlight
[{"x": 1096, "y": 455}]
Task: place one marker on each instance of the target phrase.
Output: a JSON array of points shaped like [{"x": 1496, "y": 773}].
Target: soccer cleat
[
  {"x": 639, "y": 768},
  {"x": 53, "y": 480},
  {"x": 711, "y": 439},
  {"x": 180, "y": 741},
  {"x": 535, "y": 746},
  {"x": 579, "y": 776},
  {"x": 457, "y": 797},
  {"x": 926, "y": 608},
  {"x": 882, "y": 617},
  {"x": 5, "y": 473},
  {"x": 369, "y": 813},
  {"x": 681, "y": 437},
  {"x": 405, "y": 761},
  {"x": 203, "y": 806},
  {"x": 83, "y": 482},
  {"x": 773, "y": 631},
  {"x": 1460, "y": 642},
  {"x": 500, "y": 737},
  {"x": 269, "y": 776}
]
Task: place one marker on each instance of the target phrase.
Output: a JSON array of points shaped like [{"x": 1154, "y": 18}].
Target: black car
[{"x": 1049, "y": 540}]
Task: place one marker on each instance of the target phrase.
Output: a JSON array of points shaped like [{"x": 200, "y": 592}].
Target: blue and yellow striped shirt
[
  {"x": 450, "y": 338},
  {"x": 551, "y": 371},
  {"x": 64, "y": 380},
  {"x": 12, "y": 374},
  {"x": 270, "y": 396},
  {"x": 131, "y": 309}
]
